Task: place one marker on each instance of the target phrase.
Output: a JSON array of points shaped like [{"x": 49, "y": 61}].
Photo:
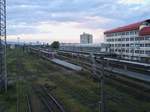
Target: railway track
[
  {"x": 135, "y": 87},
  {"x": 29, "y": 107},
  {"x": 24, "y": 104},
  {"x": 129, "y": 84},
  {"x": 50, "y": 103}
]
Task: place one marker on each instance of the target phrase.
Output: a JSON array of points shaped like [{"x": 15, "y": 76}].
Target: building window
[
  {"x": 147, "y": 45},
  {"x": 127, "y": 33},
  {"x": 119, "y": 45},
  {"x": 123, "y": 33},
  {"x": 135, "y": 32},
  {"x": 107, "y": 40},
  {"x": 123, "y": 50},
  {"x": 119, "y": 39},
  {"x": 132, "y": 51},
  {"x": 131, "y": 33},
  {"x": 137, "y": 51},
  {"x": 141, "y": 38},
  {"x": 141, "y": 52},
  {"x": 147, "y": 38},
  {"x": 141, "y": 45},
  {"x": 112, "y": 45},
  {"x": 123, "y": 39},
  {"x": 127, "y": 45},
  {"x": 119, "y": 34},
  {"x": 137, "y": 38},
  {"x": 148, "y": 52},
  {"x": 127, "y": 51},
  {"x": 132, "y": 39},
  {"x": 123, "y": 45},
  {"x": 127, "y": 39},
  {"x": 131, "y": 45}
]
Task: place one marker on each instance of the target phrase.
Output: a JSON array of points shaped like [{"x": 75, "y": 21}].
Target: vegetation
[
  {"x": 75, "y": 90},
  {"x": 55, "y": 45}
]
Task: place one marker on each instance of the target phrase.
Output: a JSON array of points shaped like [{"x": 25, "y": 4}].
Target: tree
[{"x": 55, "y": 45}]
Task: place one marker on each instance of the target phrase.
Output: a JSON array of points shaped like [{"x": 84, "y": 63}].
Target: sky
[{"x": 65, "y": 20}]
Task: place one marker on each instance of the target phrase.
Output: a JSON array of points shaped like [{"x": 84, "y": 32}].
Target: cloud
[
  {"x": 132, "y": 1},
  {"x": 64, "y": 32},
  {"x": 64, "y": 20}
]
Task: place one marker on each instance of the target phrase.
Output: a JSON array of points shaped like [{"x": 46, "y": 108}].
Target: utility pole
[
  {"x": 102, "y": 103},
  {"x": 18, "y": 39},
  {"x": 93, "y": 64},
  {"x": 101, "y": 83},
  {"x": 3, "y": 46},
  {"x": 6, "y": 80}
]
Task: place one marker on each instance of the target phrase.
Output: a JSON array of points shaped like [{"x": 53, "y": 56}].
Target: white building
[
  {"x": 86, "y": 38},
  {"x": 130, "y": 41}
]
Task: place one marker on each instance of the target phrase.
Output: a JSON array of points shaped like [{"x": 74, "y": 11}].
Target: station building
[
  {"x": 131, "y": 41},
  {"x": 77, "y": 47}
]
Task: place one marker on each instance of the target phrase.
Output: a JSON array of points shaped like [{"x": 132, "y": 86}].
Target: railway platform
[
  {"x": 135, "y": 75},
  {"x": 66, "y": 64}
]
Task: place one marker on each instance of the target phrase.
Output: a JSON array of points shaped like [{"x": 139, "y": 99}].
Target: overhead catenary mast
[{"x": 3, "y": 44}]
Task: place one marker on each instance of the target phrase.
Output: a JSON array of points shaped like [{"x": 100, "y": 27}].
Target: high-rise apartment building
[{"x": 86, "y": 38}]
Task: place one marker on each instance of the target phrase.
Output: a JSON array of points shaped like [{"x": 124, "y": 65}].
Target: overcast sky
[{"x": 65, "y": 20}]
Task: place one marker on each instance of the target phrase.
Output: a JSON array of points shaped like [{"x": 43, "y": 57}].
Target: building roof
[
  {"x": 145, "y": 31},
  {"x": 134, "y": 26}
]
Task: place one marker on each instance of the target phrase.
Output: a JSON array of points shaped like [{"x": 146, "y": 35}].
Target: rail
[
  {"x": 29, "y": 108},
  {"x": 48, "y": 100},
  {"x": 126, "y": 81}
]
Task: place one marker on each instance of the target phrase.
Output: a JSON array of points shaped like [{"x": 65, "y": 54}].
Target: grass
[
  {"x": 76, "y": 91},
  {"x": 8, "y": 100}
]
